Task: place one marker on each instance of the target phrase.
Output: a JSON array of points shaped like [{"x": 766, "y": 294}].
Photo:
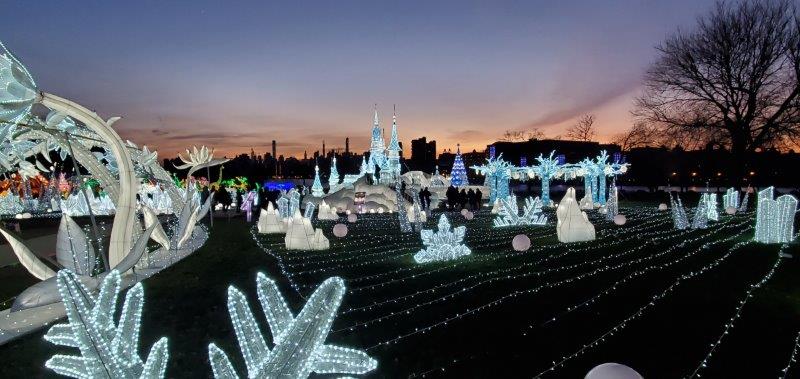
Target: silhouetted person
[
  {"x": 452, "y": 197},
  {"x": 224, "y": 198},
  {"x": 462, "y": 198},
  {"x": 478, "y": 199},
  {"x": 421, "y": 195},
  {"x": 471, "y": 199},
  {"x": 427, "y": 198}
]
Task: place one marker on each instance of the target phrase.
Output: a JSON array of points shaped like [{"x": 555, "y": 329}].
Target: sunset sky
[{"x": 236, "y": 75}]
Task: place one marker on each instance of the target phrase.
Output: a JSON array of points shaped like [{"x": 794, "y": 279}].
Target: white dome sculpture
[
  {"x": 612, "y": 371},
  {"x": 573, "y": 224}
]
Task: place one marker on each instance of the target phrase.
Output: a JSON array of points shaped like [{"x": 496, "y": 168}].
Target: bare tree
[
  {"x": 583, "y": 130},
  {"x": 521, "y": 135},
  {"x": 639, "y": 135},
  {"x": 732, "y": 81}
]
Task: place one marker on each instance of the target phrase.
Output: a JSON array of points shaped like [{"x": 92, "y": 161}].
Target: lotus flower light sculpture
[{"x": 198, "y": 158}]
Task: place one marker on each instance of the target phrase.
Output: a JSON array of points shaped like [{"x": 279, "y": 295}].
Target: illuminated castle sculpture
[{"x": 386, "y": 160}]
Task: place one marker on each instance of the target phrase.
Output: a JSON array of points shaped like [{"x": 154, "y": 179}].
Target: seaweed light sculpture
[
  {"x": 107, "y": 349},
  {"x": 300, "y": 347}
]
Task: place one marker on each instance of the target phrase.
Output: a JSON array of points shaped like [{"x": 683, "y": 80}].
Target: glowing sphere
[
  {"x": 521, "y": 242},
  {"x": 380, "y": 210},
  {"x": 612, "y": 371},
  {"x": 730, "y": 210},
  {"x": 347, "y": 211},
  {"x": 352, "y": 217},
  {"x": 340, "y": 230},
  {"x": 469, "y": 215},
  {"x": 464, "y": 211},
  {"x": 372, "y": 211},
  {"x": 620, "y": 219},
  {"x": 662, "y": 207}
]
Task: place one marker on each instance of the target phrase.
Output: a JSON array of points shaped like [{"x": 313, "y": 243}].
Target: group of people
[
  {"x": 464, "y": 199},
  {"x": 425, "y": 198}
]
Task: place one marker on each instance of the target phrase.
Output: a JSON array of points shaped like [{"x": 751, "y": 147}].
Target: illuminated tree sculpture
[
  {"x": 333, "y": 179},
  {"x": 498, "y": 174},
  {"x": 316, "y": 188},
  {"x": 108, "y": 349},
  {"x": 300, "y": 347},
  {"x": 700, "y": 219},
  {"x": 444, "y": 244},
  {"x": 546, "y": 169},
  {"x": 775, "y": 217},
  {"x": 458, "y": 176}
]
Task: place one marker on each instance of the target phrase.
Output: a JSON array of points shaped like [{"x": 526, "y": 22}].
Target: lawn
[{"x": 642, "y": 294}]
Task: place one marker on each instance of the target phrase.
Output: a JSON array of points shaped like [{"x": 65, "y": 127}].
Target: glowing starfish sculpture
[
  {"x": 300, "y": 347},
  {"x": 107, "y": 349}
]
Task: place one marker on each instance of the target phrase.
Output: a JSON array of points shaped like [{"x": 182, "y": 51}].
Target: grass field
[{"x": 642, "y": 294}]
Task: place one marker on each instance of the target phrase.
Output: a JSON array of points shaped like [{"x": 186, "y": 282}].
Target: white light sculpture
[
  {"x": 509, "y": 212},
  {"x": 730, "y": 198},
  {"x": 300, "y": 235},
  {"x": 333, "y": 179},
  {"x": 496, "y": 206},
  {"x": 309, "y": 211},
  {"x": 612, "y": 204},
  {"x": 679, "y": 219},
  {"x": 710, "y": 200},
  {"x": 316, "y": 188},
  {"x": 444, "y": 244},
  {"x": 402, "y": 215},
  {"x": 326, "y": 212},
  {"x": 586, "y": 201},
  {"x": 197, "y": 159},
  {"x": 745, "y": 196},
  {"x": 573, "y": 225},
  {"x": 775, "y": 218},
  {"x": 700, "y": 219},
  {"x": 300, "y": 347},
  {"x": 74, "y": 251},
  {"x": 107, "y": 349},
  {"x": 270, "y": 221}
]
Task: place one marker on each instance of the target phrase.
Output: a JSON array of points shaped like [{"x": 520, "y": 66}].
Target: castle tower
[
  {"x": 393, "y": 155},
  {"x": 377, "y": 149}
]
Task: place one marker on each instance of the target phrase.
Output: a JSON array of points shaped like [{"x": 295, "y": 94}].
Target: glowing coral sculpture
[
  {"x": 730, "y": 198},
  {"x": 300, "y": 347},
  {"x": 508, "y": 215},
  {"x": 107, "y": 349},
  {"x": 775, "y": 218},
  {"x": 444, "y": 244}
]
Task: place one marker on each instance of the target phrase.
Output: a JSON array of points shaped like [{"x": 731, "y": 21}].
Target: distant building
[{"x": 423, "y": 155}]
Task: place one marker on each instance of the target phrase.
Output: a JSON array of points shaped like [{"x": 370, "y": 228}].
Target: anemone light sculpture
[
  {"x": 546, "y": 170},
  {"x": 108, "y": 349},
  {"x": 300, "y": 347},
  {"x": 775, "y": 217},
  {"x": 498, "y": 174}
]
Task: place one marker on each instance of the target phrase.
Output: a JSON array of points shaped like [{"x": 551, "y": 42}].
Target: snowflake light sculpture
[
  {"x": 458, "y": 175},
  {"x": 300, "y": 347},
  {"x": 444, "y": 244},
  {"x": 730, "y": 198},
  {"x": 498, "y": 174},
  {"x": 531, "y": 213},
  {"x": 546, "y": 169},
  {"x": 775, "y": 218},
  {"x": 108, "y": 350}
]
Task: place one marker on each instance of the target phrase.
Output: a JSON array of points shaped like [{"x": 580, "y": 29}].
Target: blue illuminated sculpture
[
  {"x": 546, "y": 169},
  {"x": 458, "y": 175},
  {"x": 775, "y": 218},
  {"x": 603, "y": 169},
  {"x": 498, "y": 174}
]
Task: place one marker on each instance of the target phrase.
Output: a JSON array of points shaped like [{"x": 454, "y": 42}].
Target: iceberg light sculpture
[
  {"x": 326, "y": 212},
  {"x": 775, "y": 217},
  {"x": 710, "y": 200},
  {"x": 444, "y": 244},
  {"x": 700, "y": 219},
  {"x": 573, "y": 225},
  {"x": 270, "y": 221},
  {"x": 300, "y": 347},
  {"x": 508, "y": 215},
  {"x": 107, "y": 349}
]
